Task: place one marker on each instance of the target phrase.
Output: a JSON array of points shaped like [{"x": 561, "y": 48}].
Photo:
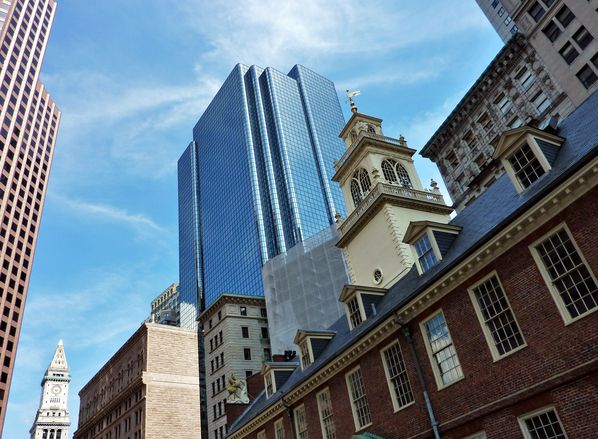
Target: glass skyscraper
[{"x": 256, "y": 179}]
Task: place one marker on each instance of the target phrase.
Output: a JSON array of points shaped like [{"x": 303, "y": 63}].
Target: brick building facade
[
  {"x": 140, "y": 393},
  {"x": 491, "y": 334}
]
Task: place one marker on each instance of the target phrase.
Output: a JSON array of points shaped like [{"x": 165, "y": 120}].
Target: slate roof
[{"x": 480, "y": 220}]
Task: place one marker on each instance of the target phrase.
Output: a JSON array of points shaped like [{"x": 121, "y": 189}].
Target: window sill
[
  {"x": 496, "y": 359},
  {"x": 406, "y": 406},
  {"x": 364, "y": 427},
  {"x": 444, "y": 386}
]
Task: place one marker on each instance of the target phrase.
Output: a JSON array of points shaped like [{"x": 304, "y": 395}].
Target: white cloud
[{"x": 142, "y": 224}]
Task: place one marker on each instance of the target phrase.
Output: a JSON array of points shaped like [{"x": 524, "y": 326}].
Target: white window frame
[
  {"x": 353, "y": 408},
  {"x": 279, "y": 427},
  {"x": 261, "y": 434},
  {"x": 305, "y": 425},
  {"x": 395, "y": 403},
  {"x": 437, "y": 374},
  {"x": 331, "y": 417},
  {"x": 556, "y": 296},
  {"x": 529, "y": 139},
  {"x": 521, "y": 419},
  {"x": 308, "y": 354},
  {"x": 430, "y": 232},
  {"x": 478, "y": 435},
  {"x": 496, "y": 356},
  {"x": 361, "y": 310},
  {"x": 270, "y": 374}
]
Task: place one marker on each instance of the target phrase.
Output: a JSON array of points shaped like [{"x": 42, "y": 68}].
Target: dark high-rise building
[
  {"x": 256, "y": 179},
  {"x": 29, "y": 124}
]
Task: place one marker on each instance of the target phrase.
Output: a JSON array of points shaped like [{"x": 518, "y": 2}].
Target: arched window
[
  {"x": 394, "y": 172},
  {"x": 371, "y": 129},
  {"x": 360, "y": 185}
]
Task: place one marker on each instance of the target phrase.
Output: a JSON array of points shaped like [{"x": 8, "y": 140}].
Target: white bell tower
[
  {"x": 52, "y": 419},
  {"x": 383, "y": 195}
]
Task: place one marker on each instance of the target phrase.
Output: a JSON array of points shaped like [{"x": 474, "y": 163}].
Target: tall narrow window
[
  {"x": 360, "y": 185},
  {"x": 359, "y": 402},
  {"x": 261, "y": 435},
  {"x": 326, "y": 416},
  {"x": 305, "y": 357},
  {"x": 396, "y": 375},
  {"x": 245, "y": 331},
  {"x": 269, "y": 382},
  {"x": 565, "y": 16},
  {"x": 526, "y": 166},
  {"x": 443, "y": 356},
  {"x": 301, "y": 422},
  {"x": 279, "y": 429},
  {"x": 354, "y": 309},
  {"x": 425, "y": 253},
  {"x": 542, "y": 425},
  {"x": 498, "y": 322},
  {"x": 569, "y": 278}
]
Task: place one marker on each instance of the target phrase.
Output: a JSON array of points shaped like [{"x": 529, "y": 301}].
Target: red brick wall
[{"x": 552, "y": 348}]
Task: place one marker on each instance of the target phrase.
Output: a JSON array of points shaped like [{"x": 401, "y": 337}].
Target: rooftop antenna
[{"x": 350, "y": 95}]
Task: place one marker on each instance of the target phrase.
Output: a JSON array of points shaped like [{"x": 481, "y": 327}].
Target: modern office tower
[
  {"x": 165, "y": 307},
  {"x": 237, "y": 342},
  {"x": 564, "y": 33},
  {"x": 29, "y": 124},
  {"x": 52, "y": 418},
  {"x": 515, "y": 89},
  {"x": 141, "y": 393},
  {"x": 301, "y": 287},
  {"x": 190, "y": 296},
  {"x": 256, "y": 179}
]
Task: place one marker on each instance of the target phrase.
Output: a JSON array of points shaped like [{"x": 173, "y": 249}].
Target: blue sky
[{"x": 132, "y": 77}]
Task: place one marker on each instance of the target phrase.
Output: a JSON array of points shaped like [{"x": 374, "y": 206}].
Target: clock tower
[{"x": 52, "y": 419}]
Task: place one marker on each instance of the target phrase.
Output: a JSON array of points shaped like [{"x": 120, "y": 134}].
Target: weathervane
[{"x": 350, "y": 101}]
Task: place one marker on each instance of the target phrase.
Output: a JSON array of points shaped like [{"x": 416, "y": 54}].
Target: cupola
[{"x": 383, "y": 194}]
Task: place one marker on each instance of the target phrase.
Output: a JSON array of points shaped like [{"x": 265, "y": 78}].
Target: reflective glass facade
[
  {"x": 266, "y": 147},
  {"x": 189, "y": 250}
]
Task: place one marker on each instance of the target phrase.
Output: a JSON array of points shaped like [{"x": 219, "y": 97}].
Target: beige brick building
[
  {"x": 236, "y": 341},
  {"x": 564, "y": 33},
  {"x": 149, "y": 389},
  {"x": 515, "y": 89}
]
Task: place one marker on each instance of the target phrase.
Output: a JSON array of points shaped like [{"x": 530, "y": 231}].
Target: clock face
[{"x": 56, "y": 389}]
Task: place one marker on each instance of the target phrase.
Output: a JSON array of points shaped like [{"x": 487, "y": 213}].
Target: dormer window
[
  {"x": 526, "y": 166},
  {"x": 360, "y": 185},
  {"x": 360, "y": 302},
  {"x": 396, "y": 173},
  {"x": 270, "y": 384},
  {"x": 527, "y": 154},
  {"x": 275, "y": 375},
  {"x": 430, "y": 241},
  {"x": 425, "y": 253},
  {"x": 311, "y": 344},
  {"x": 355, "y": 317}
]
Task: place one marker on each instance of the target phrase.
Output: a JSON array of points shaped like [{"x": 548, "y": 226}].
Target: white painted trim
[
  {"x": 548, "y": 281},
  {"x": 495, "y": 355},
  {"x": 437, "y": 376},
  {"x": 535, "y": 148},
  {"x": 478, "y": 435},
  {"x": 323, "y": 428},
  {"x": 278, "y": 422},
  {"x": 296, "y": 426},
  {"x": 521, "y": 419},
  {"x": 353, "y": 410},
  {"x": 393, "y": 397}
]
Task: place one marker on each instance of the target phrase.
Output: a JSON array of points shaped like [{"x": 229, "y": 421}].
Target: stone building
[
  {"x": 149, "y": 389},
  {"x": 486, "y": 328},
  {"x": 52, "y": 419},
  {"x": 564, "y": 34},
  {"x": 165, "y": 308},
  {"x": 236, "y": 341},
  {"x": 515, "y": 89}
]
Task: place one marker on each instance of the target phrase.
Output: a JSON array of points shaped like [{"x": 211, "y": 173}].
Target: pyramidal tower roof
[{"x": 59, "y": 361}]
